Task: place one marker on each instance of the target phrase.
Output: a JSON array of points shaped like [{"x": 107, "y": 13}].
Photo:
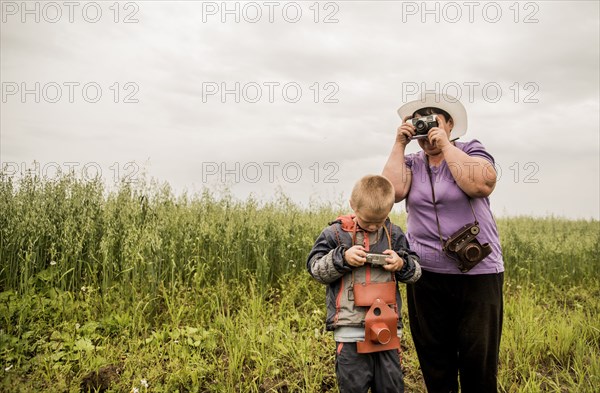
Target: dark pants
[
  {"x": 357, "y": 372},
  {"x": 456, "y": 324}
]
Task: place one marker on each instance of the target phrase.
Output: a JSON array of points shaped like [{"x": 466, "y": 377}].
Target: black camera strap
[{"x": 437, "y": 219}]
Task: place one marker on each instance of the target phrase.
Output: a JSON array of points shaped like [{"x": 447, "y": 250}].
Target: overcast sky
[{"x": 301, "y": 96}]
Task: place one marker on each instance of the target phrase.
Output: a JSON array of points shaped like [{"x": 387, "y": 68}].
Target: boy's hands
[
  {"x": 355, "y": 256},
  {"x": 395, "y": 262}
]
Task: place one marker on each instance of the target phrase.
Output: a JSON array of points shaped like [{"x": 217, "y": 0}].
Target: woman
[{"x": 455, "y": 309}]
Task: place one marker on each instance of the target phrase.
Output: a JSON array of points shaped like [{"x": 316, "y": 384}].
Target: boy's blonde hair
[{"x": 375, "y": 193}]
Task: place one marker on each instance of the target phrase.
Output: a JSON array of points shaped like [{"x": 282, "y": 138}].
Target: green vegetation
[{"x": 200, "y": 293}]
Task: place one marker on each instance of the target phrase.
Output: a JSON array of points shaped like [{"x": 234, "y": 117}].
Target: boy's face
[{"x": 368, "y": 220}]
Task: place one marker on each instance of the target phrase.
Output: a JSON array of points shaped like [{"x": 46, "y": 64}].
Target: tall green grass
[
  {"x": 204, "y": 292},
  {"x": 70, "y": 234},
  {"x": 550, "y": 250}
]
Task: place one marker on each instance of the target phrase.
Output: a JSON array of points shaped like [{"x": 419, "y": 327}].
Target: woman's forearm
[
  {"x": 476, "y": 176},
  {"x": 396, "y": 171}
]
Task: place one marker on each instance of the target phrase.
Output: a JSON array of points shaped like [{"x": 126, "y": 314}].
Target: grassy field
[{"x": 139, "y": 290}]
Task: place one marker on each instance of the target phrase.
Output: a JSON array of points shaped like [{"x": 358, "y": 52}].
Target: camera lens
[
  {"x": 472, "y": 252},
  {"x": 420, "y": 127}
]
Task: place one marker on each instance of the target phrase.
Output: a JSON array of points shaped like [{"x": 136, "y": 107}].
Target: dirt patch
[{"x": 100, "y": 381}]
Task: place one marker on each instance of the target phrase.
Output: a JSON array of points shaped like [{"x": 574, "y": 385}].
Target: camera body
[
  {"x": 423, "y": 125},
  {"x": 377, "y": 259},
  {"x": 464, "y": 247}
]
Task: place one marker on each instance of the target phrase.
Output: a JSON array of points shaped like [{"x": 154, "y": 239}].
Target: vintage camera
[
  {"x": 464, "y": 247},
  {"x": 377, "y": 259},
  {"x": 423, "y": 125}
]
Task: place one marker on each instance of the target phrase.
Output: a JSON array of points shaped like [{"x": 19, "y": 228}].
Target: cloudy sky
[{"x": 300, "y": 97}]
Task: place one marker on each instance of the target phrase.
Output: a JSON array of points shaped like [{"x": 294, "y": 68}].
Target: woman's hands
[
  {"x": 438, "y": 136},
  {"x": 395, "y": 169},
  {"x": 405, "y": 132}
]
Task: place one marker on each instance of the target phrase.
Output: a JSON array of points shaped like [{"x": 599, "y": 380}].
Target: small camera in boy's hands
[{"x": 377, "y": 259}]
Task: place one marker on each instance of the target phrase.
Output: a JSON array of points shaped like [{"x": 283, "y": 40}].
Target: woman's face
[{"x": 428, "y": 148}]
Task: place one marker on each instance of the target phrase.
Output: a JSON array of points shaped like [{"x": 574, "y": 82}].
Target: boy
[{"x": 363, "y": 301}]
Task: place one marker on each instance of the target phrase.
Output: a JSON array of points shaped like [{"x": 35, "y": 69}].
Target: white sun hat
[{"x": 442, "y": 101}]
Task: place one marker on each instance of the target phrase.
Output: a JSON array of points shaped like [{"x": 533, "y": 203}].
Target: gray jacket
[{"x": 327, "y": 265}]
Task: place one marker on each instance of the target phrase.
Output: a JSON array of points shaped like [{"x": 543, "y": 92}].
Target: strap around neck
[
  {"x": 435, "y": 204},
  {"x": 365, "y": 234}
]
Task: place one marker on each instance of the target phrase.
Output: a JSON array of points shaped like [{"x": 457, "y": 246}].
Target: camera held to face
[
  {"x": 423, "y": 125},
  {"x": 464, "y": 247}
]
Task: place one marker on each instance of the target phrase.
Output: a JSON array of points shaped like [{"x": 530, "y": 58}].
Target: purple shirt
[{"x": 453, "y": 212}]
